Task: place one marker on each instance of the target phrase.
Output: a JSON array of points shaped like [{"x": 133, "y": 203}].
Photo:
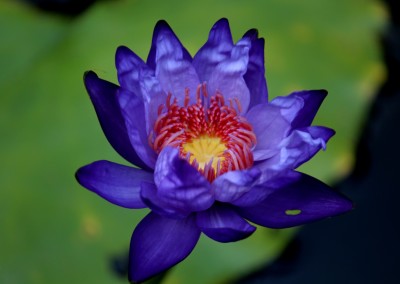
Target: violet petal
[
  {"x": 232, "y": 185},
  {"x": 255, "y": 195},
  {"x": 269, "y": 182},
  {"x": 301, "y": 107},
  {"x": 304, "y": 201},
  {"x": 135, "y": 76},
  {"x": 133, "y": 111},
  {"x": 227, "y": 77},
  {"x": 160, "y": 28},
  {"x": 116, "y": 183},
  {"x": 159, "y": 243},
  {"x": 181, "y": 184},
  {"x": 217, "y": 49},
  {"x": 222, "y": 224},
  {"x": 300, "y": 146},
  {"x": 173, "y": 70},
  {"x": 171, "y": 208},
  {"x": 104, "y": 98},
  {"x": 131, "y": 70},
  {"x": 270, "y": 127},
  {"x": 255, "y": 75}
]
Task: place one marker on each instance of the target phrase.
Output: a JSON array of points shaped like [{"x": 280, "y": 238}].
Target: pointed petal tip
[
  {"x": 252, "y": 34},
  {"x": 88, "y": 76},
  {"x": 95, "y": 85},
  {"x": 77, "y": 175},
  {"x": 332, "y": 132},
  {"x": 122, "y": 50},
  {"x": 323, "y": 91},
  {"x": 161, "y": 25},
  {"x": 222, "y": 22},
  {"x": 319, "y": 92},
  {"x": 221, "y": 31},
  {"x": 223, "y": 19}
]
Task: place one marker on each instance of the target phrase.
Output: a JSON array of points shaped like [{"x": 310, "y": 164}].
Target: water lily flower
[{"x": 211, "y": 153}]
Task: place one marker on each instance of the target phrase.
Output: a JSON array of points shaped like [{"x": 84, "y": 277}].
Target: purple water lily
[{"x": 211, "y": 152}]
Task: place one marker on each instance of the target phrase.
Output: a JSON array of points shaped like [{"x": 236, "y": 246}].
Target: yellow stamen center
[{"x": 203, "y": 149}]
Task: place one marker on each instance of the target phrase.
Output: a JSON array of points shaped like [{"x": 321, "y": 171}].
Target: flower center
[
  {"x": 205, "y": 149},
  {"x": 209, "y": 134}
]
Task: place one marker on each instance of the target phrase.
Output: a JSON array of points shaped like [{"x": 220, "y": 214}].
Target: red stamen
[
  {"x": 168, "y": 101},
  {"x": 239, "y": 106},
  {"x": 187, "y": 98}
]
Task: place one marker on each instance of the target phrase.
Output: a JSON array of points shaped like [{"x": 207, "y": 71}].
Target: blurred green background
[{"x": 54, "y": 231}]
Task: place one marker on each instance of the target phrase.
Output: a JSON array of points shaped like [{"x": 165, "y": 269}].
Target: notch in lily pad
[{"x": 292, "y": 212}]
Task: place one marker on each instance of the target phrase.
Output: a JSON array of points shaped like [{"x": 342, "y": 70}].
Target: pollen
[{"x": 210, "y": 134}]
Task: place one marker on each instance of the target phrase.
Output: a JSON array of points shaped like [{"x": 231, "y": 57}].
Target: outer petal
[
  {"x": 223, "y": 224},
  {"x": 181, "y": 185},
  {"x": 301, "y": 107},
  {"x": 269, "y": 182},
  {"x": 217, "y": 49},
  {"x": 116, "y": 183},
  {"x": 158, "y": 243},
  {"x": 300, "y": 146},
  {"x": 160, "y": 28},
  {"x": 133, "y": 111},
  {"x": 304, "y": 201},
  {"x": 232, "y": 185},
  {"x": 270, "y": 127},
  {"x": 174, "y": 70},
  {"x": 227, "y": 77},
  {"x": 254, "y": 196},
  {"x": 135, "y": 76},
  {"x": 131, "y": 70},
  {"x": 255, "y": 75},
  {"x": 104, "y": 98}
]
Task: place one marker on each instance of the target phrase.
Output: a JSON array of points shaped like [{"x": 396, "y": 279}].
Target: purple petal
[
  {"x": 217, "y": 49},
  {"x": 133, "y": 111},
  {"x": 270, "y": 127},
  {"x": 181, "y": 185},
  {"x": 227, "y": 77},
  {"x": 173, "y": 69},
  {"x": 116, "y": 183},
  {"x": 255, "y": 75},
  {"x": 161, "y": 28},
  {"x": 255, "y": 195},
  {"x": 104, "y": 98},
  {"x": 300, "y": 146},
  {"x": 223, "y": 224},
  {"x": 162, "y": 206},
  {"x": 304, "y": 201},
  {"x": 135, "y": 76},
  {"x": 301, "y": 107},
  {"x": 269, "y": 182},
  {"x": 159, "y": 243},
  {"x": 131, "y": 70},
  {"x": 232, "y": 185}
]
